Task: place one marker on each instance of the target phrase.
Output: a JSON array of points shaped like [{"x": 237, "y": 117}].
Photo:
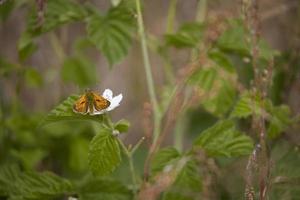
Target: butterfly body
[{"x": 90, "y": 103}]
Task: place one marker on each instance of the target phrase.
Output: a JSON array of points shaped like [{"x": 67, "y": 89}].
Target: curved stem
[{"x": 147, "y": 67}]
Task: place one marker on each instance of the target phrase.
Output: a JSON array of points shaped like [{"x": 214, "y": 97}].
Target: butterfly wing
[
  {"x": 100, "y": 102},
  {"x": 81, "y": 105}
]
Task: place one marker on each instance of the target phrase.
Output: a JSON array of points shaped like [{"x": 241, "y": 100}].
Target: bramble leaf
[
  {"x": 112, "y": 33},
  {"x": 104, "y": 153},
  {"x": 122, "y": 126},
  {"x": 223, "y": 139},
  {"x": 31, "y": 185},
  {"x": 104, "y": 189},
  {"x": 64, "y": 112},
  {"x": 163, "y": 158},
  {"x": 188, "y": 35}
]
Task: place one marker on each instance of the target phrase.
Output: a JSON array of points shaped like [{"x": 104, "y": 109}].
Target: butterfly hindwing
[{"x": 81, "y": 105}]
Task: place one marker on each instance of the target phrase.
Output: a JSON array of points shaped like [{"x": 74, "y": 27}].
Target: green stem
[
  {"x": 131, "y": 166},
  {"x": 147, "y": 67},
  {"x": 171, "y": 16},
  {"x": 201, "y": 11}
]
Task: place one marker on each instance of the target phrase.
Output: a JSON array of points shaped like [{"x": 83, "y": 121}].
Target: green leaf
[
  {"x": 188, "y": 184},
  {"x": 246, "y": 106},
  {"x": 80, "y": 71},
  {"x": 204, "y": 78},
  {"x": 31, "y": 185},
  {"x": 104, "y": 153},
  {"x": 280, "y": 120},
  {"x": 9, "y": 174},
  {"x": 33, "y": 78},
  {"x": 234, "y": 38},
  {"x": 223, "y": 101},
  {"x": 188, "y": 35},
  {"x": 112, "y": 33},
  {"x": 64, "y": 112},
  {"x": 78, "y": 156},
  {"x": 26, "y": 46},
  {"x": 57, "y": 12},
  {"x": 163, "y": 158},
  {"x": 104, "y": 189},
  {"x": 221, "y": 60},
  {"x": 223, "y": 139},
  {"x": 5, "y": 9},
  {"x": 122, "y": 126}
]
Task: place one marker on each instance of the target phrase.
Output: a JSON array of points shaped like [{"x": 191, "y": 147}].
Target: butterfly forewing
[
  {"x": 100, "y": 102},
  {"x": 81, "y": 105}
]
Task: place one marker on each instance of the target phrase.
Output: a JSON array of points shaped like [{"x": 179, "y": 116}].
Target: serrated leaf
[
  {"x": 246, "y": 106},
  {"x": 221, "y": 60},
  {"x": 163, "y": 158},
  {"x": 204, "y": 78},
  {"x": 188, "y": 35},
  {"x": 280, "y": 120},
  {"x": 122, "y": 126},
  {"x": 57, "y": 12},
  {"x": 64, "y": 112},
  {"x": 104, "y": 189},
  {"x": 80, "y": 71},
  {"x": 223, "y": 139},
  {"x": 104, "y": 153},
  {"x": 112, "y": 33},
  {"x": 223, "y": 101},
  {"x": 188, "y": 184},
  {"x": 31, "y": 185}
]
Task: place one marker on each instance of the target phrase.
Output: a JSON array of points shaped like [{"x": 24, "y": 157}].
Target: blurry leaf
[
  {"x": 223, "y": 139},
  {"x": 280, "y": 120},
  {"x": 163, "y": 158},
  {"x": 234, "y": 39},
  {"x": 112, "y": 33},
  {"x": 64, "y": 112},
  {"x": 188, "y": 184},
  {"x": 104, "y": 189},
  {"x": 31, "y": 185},
  {"x": 246, "y": 106},
  {"x": 266, "y": 52},
  {"x": 6, "y": 8},
  {"x": 122, "y": 126},
  {"x": 30, "y": 157},
  {"x": 57, "y": 12},
  {"x": 223, "y": 101},
  {"x": 33, "y": 78},
  {"x": 6, "y": 67},
  {"x": 286, "y": 172},
  {"x": 221, "y": 60},
  {"x": 9, "y": 174},
  {"x": 26, "y": 46},
  {"x": 80, "y": 71},
  {"x": 78, "y": 156},
  {"x": 115, "y": 2},
  {"x": 104, "y": 153},
  {"x": 188, "y": 35},
  {"x": 204, "y": 78}
]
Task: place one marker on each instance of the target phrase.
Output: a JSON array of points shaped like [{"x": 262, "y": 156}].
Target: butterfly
[{"x": 90, "y": 103}]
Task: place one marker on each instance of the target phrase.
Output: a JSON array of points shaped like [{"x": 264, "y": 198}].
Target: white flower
[
  {"x": 72, "y": 198},
  {"x": 114, "y": 101}
]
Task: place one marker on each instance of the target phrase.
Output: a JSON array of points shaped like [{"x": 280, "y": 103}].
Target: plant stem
[
  {"x": 147, "y": 66},
  {"x": 131, "y": 166},
  {"x": 171, "y": 16},
  {"x": 201, "y": 10}
]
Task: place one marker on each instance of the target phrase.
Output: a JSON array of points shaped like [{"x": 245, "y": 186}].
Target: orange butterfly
[{"x": 90, "y": 103}]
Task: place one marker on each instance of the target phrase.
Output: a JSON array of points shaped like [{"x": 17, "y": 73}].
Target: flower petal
[
  {"x": 115, "y": 102},
  {"x": 108, "y": 94}
]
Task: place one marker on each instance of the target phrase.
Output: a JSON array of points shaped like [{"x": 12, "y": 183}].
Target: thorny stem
[
  {"x": 147, "y": 66},
  {"x": 260, "y": 86}
]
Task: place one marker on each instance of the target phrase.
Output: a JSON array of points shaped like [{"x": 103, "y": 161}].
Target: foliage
[{"x": 206, "y": 106}]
